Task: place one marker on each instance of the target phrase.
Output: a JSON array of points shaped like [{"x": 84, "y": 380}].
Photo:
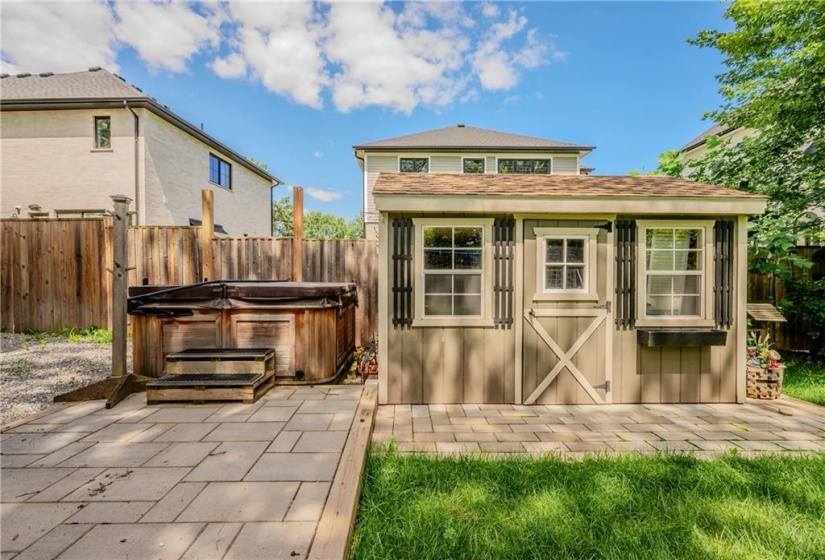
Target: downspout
[{"x": 137, "y": 163}]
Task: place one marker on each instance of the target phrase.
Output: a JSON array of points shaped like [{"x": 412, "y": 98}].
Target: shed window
[
  {"x": 675, "y": 271},
  {"x": 566, "y": 263},
  {"x": 453, "y": 271},
  {"x": 414, "y": 165},
  {"x": 103, "y": 133},
  {"x": 220, "y": 172}
]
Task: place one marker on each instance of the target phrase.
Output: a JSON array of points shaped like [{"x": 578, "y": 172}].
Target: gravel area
[{"x": 34, "y": 370}]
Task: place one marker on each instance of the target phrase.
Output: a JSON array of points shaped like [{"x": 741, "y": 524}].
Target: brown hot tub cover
[{"x": 238, "y": 294}]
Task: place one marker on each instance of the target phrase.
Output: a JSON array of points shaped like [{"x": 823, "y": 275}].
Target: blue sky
[{"x": 296, "y": 85}]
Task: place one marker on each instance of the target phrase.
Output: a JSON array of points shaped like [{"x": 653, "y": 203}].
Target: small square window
[
  {"x": 103, "y": 133},
  {"x": 220, "y": 172},
  {"x": 565, "y": 264}
]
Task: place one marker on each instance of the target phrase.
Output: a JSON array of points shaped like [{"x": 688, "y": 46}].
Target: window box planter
[
  {"x": 681, "y": 337},
  {"x": 764, "y": 382}
]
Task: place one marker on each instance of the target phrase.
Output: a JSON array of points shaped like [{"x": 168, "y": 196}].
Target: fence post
[
  {"x": 120, "y": 271},
  {"x": 297, "y": 234},
  {"x": 206, "y": 233}
]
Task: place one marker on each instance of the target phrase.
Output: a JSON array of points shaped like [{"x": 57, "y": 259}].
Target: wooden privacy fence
[{"x": 54, "y": 271}]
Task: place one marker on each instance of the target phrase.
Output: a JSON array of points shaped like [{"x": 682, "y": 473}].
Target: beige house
[
  {"x": 70, "y": 141},
  {"x": 463, "y": 149},
  {"x": 551, "y": 288}
]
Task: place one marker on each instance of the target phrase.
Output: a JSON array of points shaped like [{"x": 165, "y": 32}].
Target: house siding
[
  {"x": 445, "y": 164},
  {"x": 48, "y": 159},
  {"x": 177, "y": 169},
  {"x": 565, "y": 165},
  {"x": 373, "y": 165}
]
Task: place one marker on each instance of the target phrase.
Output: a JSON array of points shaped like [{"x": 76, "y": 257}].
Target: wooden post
[
  {"x": 120, "y": 271},
  {"x": 206, "y": 233},
  {"x": 297, "y": 234}
]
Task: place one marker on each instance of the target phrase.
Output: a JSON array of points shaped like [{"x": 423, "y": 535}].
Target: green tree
[
  {"x": 670, "y": 164},
  {"x": 774, "y": 85},
  {"x": 317, "y": 225}
]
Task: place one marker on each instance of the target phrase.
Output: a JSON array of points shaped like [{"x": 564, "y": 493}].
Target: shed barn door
[{"x": 567, "y": 329}]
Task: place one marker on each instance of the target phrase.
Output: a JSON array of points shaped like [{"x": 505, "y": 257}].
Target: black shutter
[
  {"x": 626, "y": 273},
  {"x": 402, "y": 287},
  {"x": 723, "y": 273},
  {"x": 504, "y": 256}
]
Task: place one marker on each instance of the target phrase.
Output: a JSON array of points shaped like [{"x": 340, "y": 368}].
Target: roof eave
[
  {"x": 558, "y": 204},
  {"x": 142, "y": 103},
  {"x": 475, "y": 149}
]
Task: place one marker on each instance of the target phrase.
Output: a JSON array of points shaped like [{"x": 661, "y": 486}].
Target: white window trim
[
  {"x": 591, "y": 235},
  {"x": 413, "y": 156},
  {"x": 549, "y": 158},
  {"x": 486, "y": 319},
  {"x": 482, "y": 158},
  {"x": 706, "y": 297}
]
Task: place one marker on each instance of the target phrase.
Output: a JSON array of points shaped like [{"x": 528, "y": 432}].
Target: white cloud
[
  {"x": 322, "y": 194},
  {"x": 57, "y": 36},
  {"x": 318, "y": 154},
  {"x": 281, "y": 44},
  {"x": 167, "y": 34},
  {"x": 399, "y": 56}
]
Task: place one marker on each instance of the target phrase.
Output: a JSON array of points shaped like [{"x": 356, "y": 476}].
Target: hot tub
[{"x": 310, "y": 325}]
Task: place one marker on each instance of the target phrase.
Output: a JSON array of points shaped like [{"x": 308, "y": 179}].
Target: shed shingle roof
[
  {"x": 94, "y": 84},
  {"x": 547, "y": 185},
  {"x": 463, "y": 137}
]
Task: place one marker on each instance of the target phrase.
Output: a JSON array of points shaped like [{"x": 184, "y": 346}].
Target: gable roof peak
[{"x": 463, "y": 137}]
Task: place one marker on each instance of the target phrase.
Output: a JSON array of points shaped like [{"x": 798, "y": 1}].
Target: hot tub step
[{"x": 203, "y": 387}]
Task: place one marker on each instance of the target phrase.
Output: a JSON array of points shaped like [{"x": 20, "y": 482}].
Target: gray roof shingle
[
  {"x": 462, "y": 137},
  {"x": 715, "y": 130},
  {"x": 93, "y": 84}
]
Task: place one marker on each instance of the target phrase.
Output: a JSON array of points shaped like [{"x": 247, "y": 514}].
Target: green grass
[
  {"x": 89, "y": 334},
  {"x": 630, "y": 507},
  {"x": 804, "y": 379}
]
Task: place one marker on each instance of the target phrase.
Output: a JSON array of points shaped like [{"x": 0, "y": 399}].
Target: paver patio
[
  {"x": 574, "y": 430},
  {"x": 174, "y": 480}
]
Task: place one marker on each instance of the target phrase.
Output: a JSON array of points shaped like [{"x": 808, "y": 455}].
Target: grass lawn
[
  {"x": 630, "y": 507},
  {"x": 804, "y": 379}
]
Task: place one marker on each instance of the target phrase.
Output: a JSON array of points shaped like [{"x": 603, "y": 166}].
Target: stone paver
[
  {"x": 704, "y": 430},
  {"x": 174, "y": 480}
]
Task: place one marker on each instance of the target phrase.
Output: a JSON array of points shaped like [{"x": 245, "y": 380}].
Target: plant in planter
[{"x": 765, "y": 373}]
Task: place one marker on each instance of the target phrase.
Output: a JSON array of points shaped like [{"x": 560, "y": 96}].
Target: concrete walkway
[
  {"x": 229, "y": 481},
  {"x": 572, "y": 431}
]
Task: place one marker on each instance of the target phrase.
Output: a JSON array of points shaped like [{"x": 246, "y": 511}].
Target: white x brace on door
[{"x": 599, "y": 315}]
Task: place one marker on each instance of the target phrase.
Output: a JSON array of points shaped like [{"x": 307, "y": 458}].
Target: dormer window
[{"x": 414, "y": 165}]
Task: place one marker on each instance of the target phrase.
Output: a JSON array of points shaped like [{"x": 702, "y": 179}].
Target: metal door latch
[{"x": 606, "y": 305}]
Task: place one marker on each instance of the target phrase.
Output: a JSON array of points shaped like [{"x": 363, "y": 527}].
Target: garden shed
[{"x": 551, "y": 289}]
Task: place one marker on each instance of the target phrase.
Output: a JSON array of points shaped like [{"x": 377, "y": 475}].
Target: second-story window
[
  {"x": 473, "y": 165},
  {"x": 103, "y": 133},
  {"x": 220, "y": 172},
  {"x": 526, "y": 166},
  {"x": 414, "y": 165}
]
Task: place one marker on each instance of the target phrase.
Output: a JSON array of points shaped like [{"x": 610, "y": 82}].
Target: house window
[
  {"x": 524, "y": 166},
  {"x": 414, "y": 165},
  {"x": 103, "y": 133},
  {"x": 675, "y": 267},
  {"x": 473, "y": 165},
  {"x": 78, "y": 214},
  {"x": 453, "y": 270},
  {"x": 220, "y": 172},
  {"x": 566, "y": 258}
]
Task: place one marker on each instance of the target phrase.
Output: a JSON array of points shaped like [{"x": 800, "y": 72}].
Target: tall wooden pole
[
  {"x": 207, "y": 233},
  {"x": 120, "y": 270},
  {"x": 297, "y": 234}
]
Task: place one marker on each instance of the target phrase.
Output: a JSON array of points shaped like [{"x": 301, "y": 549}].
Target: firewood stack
[{"x": 368, "y": 364}]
